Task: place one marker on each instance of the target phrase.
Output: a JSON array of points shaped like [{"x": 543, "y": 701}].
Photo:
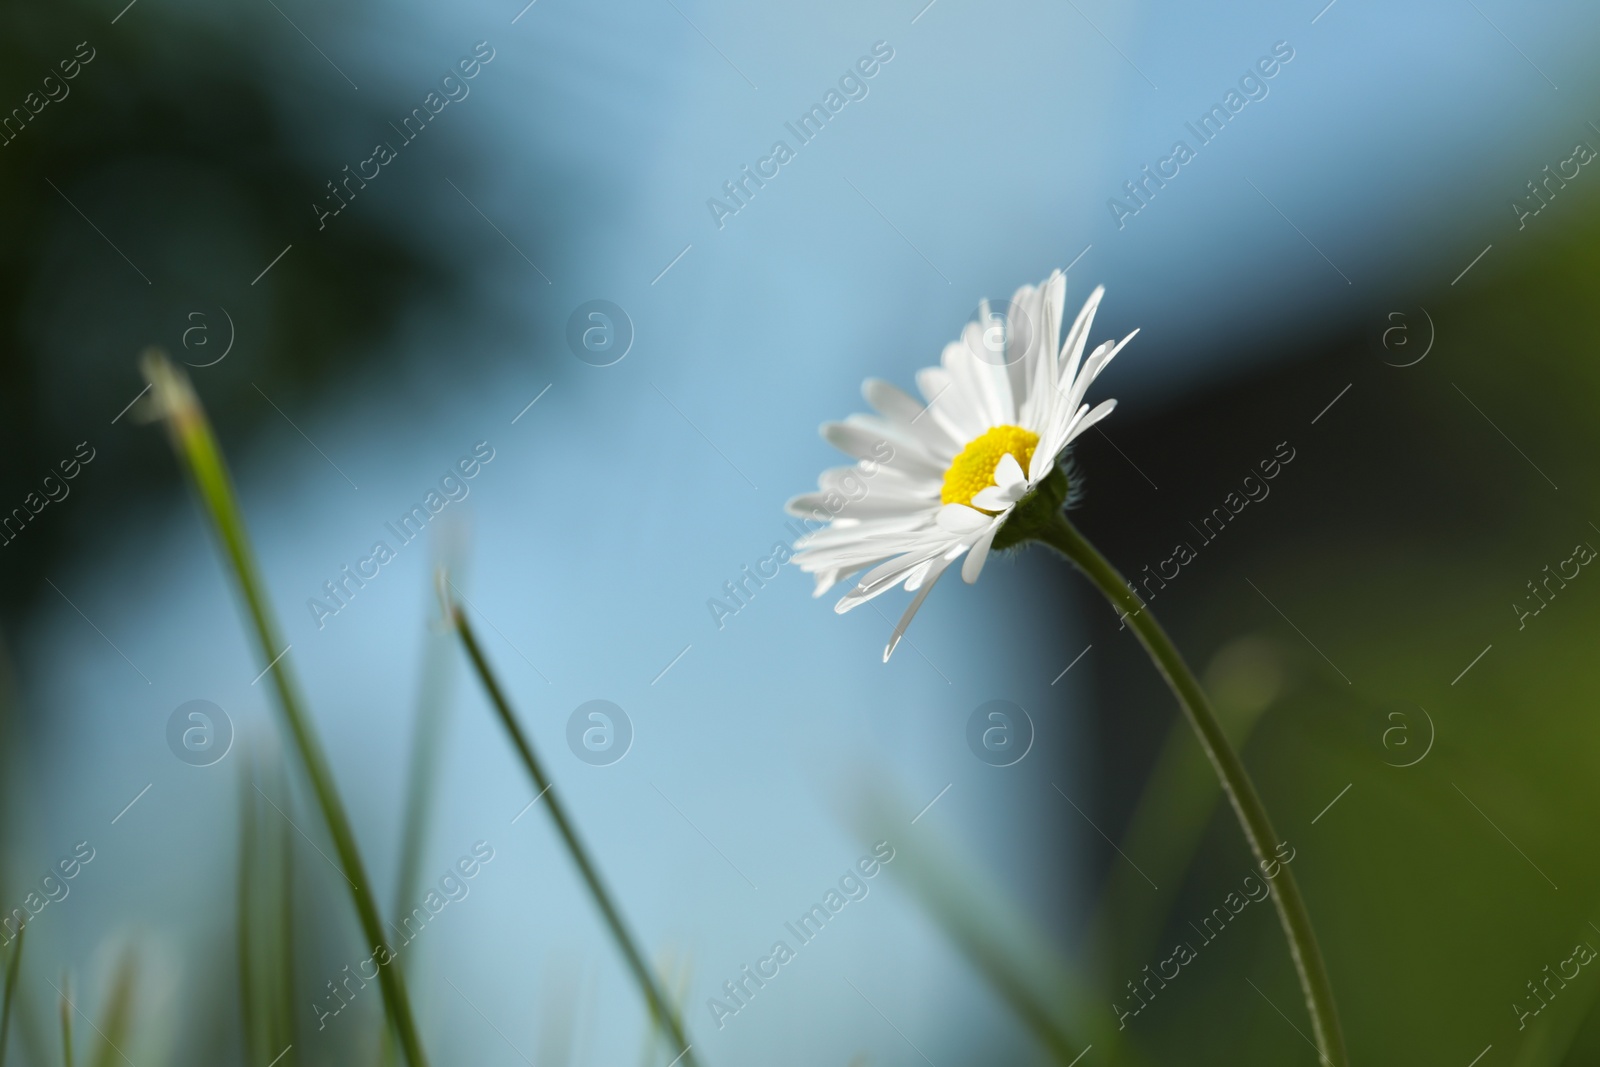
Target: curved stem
[
  {"x": 660, "y": 1007},
  {"x": 1296, "y": 921}
]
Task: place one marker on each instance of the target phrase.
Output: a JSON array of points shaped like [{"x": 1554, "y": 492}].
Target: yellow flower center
[{"x": 973, "y": 470}]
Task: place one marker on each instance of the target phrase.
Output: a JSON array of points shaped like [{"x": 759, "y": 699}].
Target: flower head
[{"x": 962, "y": 474}]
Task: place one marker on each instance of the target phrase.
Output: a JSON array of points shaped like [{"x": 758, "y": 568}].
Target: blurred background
[{"x": 1381, "y": 266}]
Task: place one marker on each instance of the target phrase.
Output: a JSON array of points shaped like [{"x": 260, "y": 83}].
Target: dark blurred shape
[
  {"x": 151, "y": 174},
  {"x": 1426, "y": 748}
]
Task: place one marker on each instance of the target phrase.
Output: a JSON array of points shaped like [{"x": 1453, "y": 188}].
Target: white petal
[
  {"x": 915, "y": 579},
  {"x": 1098, "y": 412},
  {"x": 938, "y": 386},
  {"x": 972, "y": 566},
  {"x": 1042, "y": 383},
  {"x": 967, "y": 401},
  {"x": 825, "y": 581},
  {"x": 1092, "y": 368},
  {"x": 916, "y": 602},
  {"x": 886, "y": 576},
  {"x": 996, "y": 364},
  {"x": 994, "y": 498},
  {"x": 931, "y": 381},
  {"x": 855, "y": 441},
  {"x": 960, "y": 519},
  {"x": 1024, "y": 343},
  {"x": 867, "y": 541},
  {"x": 867, "y": 438},
  {"x": 965, "y": 359},
  {"x": 1044, "y": 455},
  {"x": 828, "y": 506},
  {"x": 903, "y": 413},
  {"x": 1078, "y": 336},
  {"x": 1008, "y": 472},
  {"x": 892, "y": 401}
]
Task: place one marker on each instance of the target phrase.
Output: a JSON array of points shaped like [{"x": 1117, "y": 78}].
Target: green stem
[
  {"x": 1064, "y": 538},
  {"x": 244, "y": 926},
  {"x": 284, "y": 1017},
  {"x": 427, "y": 736},
  {"x": 657, "y": 1001},
  {"x": 11, "y": 991},
  {"x": 66, "y": 1024},
  {"x": 197, "y": 449}
]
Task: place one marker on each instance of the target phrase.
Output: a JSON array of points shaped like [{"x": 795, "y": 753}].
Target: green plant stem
[
  {"x": 284, "y": 1017},
  {"x": 657, "y": 1001},
  {"x": 11, "y": 989},
  {"x": 66, "y": 1024},
  {"x": 197, "y": 449},
  {"x": 117, "y": 1018},
  {"x": 427, "y": 748},
  {"x": 1292, "y": 914},
  {"x": 244, "y": 925}
]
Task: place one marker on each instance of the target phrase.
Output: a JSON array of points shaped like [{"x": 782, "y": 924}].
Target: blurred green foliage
[{"x": 1397, "y": 542}]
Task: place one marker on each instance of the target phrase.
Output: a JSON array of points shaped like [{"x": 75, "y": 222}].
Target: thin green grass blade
[
  {"x": 978, "y": 917},
  {"x": 10, "y": 708},
  {"x": 282, "y": 1014},
  {"x": 174, "y": 401},
  {"x": 427, "y": 750},
  {"x": 433, "y": 691},
  {"x": 66, "y": 1021},
  {"x": 682, "y": 1050},
  {"x": 1549, "y": 1043},
  {"x": 675, "y": 977},
  {"x": 244, "y": 929},
  {"x": 1179, "y": 800},
  {"x": 13, "y": 968},
  {"x": 117, "y": 1022},
  {"x": 33, "y": 1035}
]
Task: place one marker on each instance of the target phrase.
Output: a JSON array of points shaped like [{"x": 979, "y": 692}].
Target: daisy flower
[
  {"x": 965, "y": 473},
  {"x": 980, "y": 467}
]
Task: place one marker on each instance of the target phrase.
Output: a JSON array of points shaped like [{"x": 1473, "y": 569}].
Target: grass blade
[
  {"x": 197, "y": 450},
  {"x": 433, "y": 693},
  {"x": 12, "y": 970},
  {"x": 654, "y": 998},
  {"x": 118, "y": 1019},
  {"x": 1180, "y": 798},
  {"x": 244, "y": 925},
  {"x": 427, "y": 735},
  {"x": 282, "y": 1009},
  {"x": 676, "y": 978},
  {"x": 1012, "y": 954},
  {"x": 66, "y": 1022}
]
